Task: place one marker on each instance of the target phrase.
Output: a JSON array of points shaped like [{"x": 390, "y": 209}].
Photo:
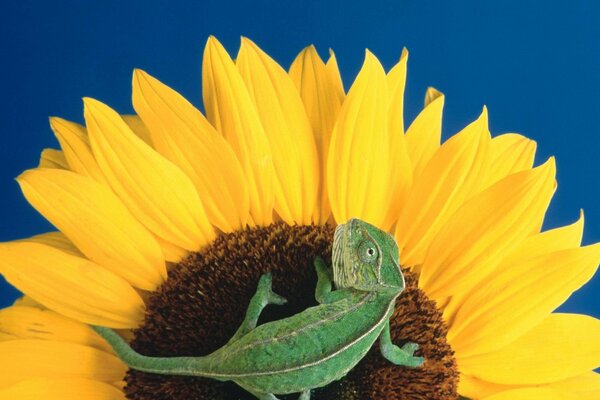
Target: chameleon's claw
[
  {"x": 410, "y": 348},
  {"x": 265, "y": 288}
]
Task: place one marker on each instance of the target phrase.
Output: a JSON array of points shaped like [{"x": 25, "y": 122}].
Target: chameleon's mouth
[{"x": 205, "y": 298}]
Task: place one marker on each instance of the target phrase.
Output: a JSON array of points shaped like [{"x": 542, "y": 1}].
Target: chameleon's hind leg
[
  {"x": 305, "y": 395},
  {"x": 263, "y": 297},
  {"x": 399, "y": 356},
  {"x": 265, "y": 396}
]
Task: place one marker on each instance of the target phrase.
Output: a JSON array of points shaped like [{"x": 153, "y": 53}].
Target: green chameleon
[{"x": 316, "y": 346}]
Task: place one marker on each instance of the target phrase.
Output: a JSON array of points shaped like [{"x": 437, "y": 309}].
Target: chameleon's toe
[
  {"x": 410, "y": 348},
  {"x": 265, "y": 288},
  {"x": 414, "y": 362}
]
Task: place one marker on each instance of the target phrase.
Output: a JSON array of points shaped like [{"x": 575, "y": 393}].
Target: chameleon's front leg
[
  {"x": 399, "y": 356},
  {"x": 263, "y": 297}
]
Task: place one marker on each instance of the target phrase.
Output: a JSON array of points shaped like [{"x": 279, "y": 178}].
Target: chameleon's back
[{"x": 309, "y": 349}]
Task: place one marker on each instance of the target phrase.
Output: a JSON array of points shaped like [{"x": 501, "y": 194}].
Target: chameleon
[{"x": 316, "y": 346}]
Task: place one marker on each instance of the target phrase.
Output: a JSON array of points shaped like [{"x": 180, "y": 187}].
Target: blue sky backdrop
[{"x": 534, "y": 64}]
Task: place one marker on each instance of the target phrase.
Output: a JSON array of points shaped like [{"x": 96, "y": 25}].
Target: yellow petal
[
  {"x": 231, "y": 111},
  {"x": 320, "y": 94},
  {"x": 289, "y": 132},
  {"x": 6, "y": 336},
  {"x": 182, "y": 134},
  {"x": 138, "y": 127},
  {"x": 69, "y": 285},
  {"x": 585, "y": 387},
  {"x": 542, "y": 393},
  {"x": 450, "y": 178},
  {"x": 57, "y": 240},
  {"x": 158, "y": 193},
  {"x": 34, "y": 323},
  {"x": 94, "y": 219},
  {"x": 74, "y": 141},
  {"x": 423, "y": 136},
  {"x": 358, "y": 160},
  {"x": 30, "y": 359},
  {"x": 401, "y": 167},
  {"x": 476, "y": 238},
  {"x": 335, "y": 76},
  {"x": 535, "y": 288},
  {"x": 63, "y": 389},
  {"x": 51, "y": 158},
  {"x": 561, "y": 347},
  {"x": 510, "y": 153}
]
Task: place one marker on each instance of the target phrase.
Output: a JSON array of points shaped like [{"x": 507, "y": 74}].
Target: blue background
[{"x": 536, "y": 65}]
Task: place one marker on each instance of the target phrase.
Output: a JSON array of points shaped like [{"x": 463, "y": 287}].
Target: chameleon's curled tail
[{"x": 190, "y": 366}]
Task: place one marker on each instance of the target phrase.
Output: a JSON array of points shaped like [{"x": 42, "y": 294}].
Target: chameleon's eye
[{"x": 367, "y": 251}]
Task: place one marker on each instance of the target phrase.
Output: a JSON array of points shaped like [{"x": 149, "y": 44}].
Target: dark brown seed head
[{"x": 204, "y": 300}]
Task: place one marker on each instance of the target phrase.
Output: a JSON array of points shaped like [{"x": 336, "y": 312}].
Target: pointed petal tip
[{"x": 404, "y": 54}]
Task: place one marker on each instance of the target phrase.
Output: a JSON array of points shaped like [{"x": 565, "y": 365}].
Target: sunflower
[{"x": 166, "y": 219}]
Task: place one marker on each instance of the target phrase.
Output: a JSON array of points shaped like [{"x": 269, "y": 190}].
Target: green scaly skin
[{"x": 316, "y": 346}]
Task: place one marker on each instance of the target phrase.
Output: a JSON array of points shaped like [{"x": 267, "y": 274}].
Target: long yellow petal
[
  {"x": 156, "y": 191},
  {"x": 585, "y": 387},
  {"x": 63, "y": 389},
  {"x": 424, "y": 134},
  {"x": 514, "y": 301},
  {"x": 74, "y": 141},
  {"x": 69, "y": 285},
  {"x": 30, "y": 359},
  {"x": 57, "y": 240},
  {"x": 358, "y": 161},
  {"x": 451, "y": 177},
  {"x": 541, "y": 244},
  {"x": 289, "y": 132},
  {"x": 476, "y": 238},
  {"x": 335, "y": 76},
  {"x": 401, "y": 167},
  {"x": 231, "y": 111},
  {"x": 542, "y": 393},
  {"x": 182, "y": 134},
  {"x": 320, "y": 94},
  {"x": 51, "y": 158},
  {"x": 510, "y": 153},
  {"x": 560, "y": 347},
  {"x": 138, "y": 127},
  {"x": 94, "y": 219},
  {"x": 34, "y": 323}
]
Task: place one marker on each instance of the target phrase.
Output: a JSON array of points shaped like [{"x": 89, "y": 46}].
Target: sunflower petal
[
  {"x": 320, "y": 94},
  {"x": 74, "y": 141},
  {"x": 137, "y": 126},
  {"x": 94, "y": 219},
  {"x": 231, "y": 111},
  {"x": 560, "y": 347},
  {"x": 34, "y": 323},
  {"x": 335, "y": 76},
  {"x": 63, "y": 389},
  {"x": 30, "y": 359},
  {"x": 57, "y": 240},
  {"x": 182, "y": 134},
  {"x": 510, "y": 153},
  {"x": 537, "y": 286},
  {"x": 586, "y": 386},
  {"x": 289, "y": 132},
  {"x": 158, "y": 193},
  {"x": 474, "y": 240},
  {"x": 423, "y": 136},
  {"x": 401, "y": 167},
  {"x": 69, "y": 285},
  {"x": 51, "y": 158},
  {"x": 542, "y": 393},
  {"x": 358, "y": 160},
  {"x": 453, "y": 174}
]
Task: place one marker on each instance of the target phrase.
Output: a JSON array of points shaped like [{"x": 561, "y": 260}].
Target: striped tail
[{"x": 189, "y": 366}]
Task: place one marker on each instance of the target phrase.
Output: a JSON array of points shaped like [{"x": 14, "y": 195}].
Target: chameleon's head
[{"x": 365, "y": 257}]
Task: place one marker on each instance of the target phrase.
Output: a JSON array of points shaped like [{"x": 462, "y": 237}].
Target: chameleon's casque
[{"x": 316, "y": 346}]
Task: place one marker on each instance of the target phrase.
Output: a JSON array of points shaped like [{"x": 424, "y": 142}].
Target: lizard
[{"x": 316, "y": 346}]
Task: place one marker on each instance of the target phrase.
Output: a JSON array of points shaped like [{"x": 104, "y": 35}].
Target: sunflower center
[{"x": 204, "y": 300}]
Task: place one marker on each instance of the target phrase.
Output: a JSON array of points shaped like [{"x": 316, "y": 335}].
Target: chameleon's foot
[
  {"x": 410, "y": 348},
  {"x": 305, "y": 395},
  {"x": 264, "y": 291}
]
